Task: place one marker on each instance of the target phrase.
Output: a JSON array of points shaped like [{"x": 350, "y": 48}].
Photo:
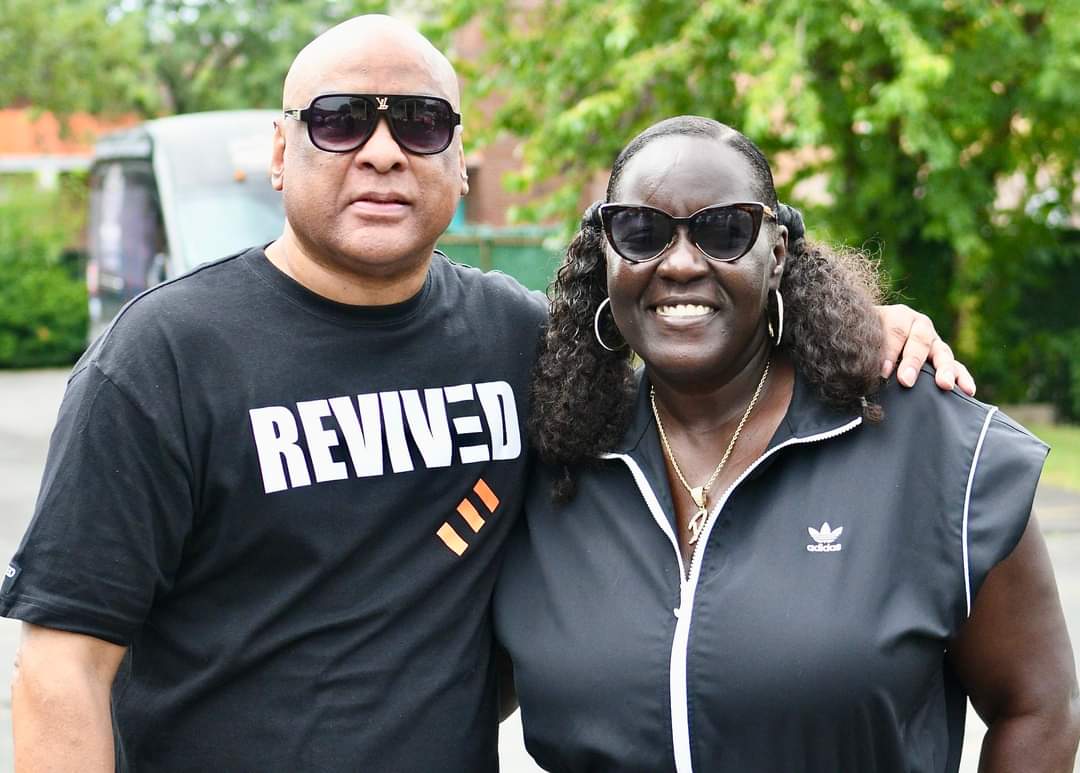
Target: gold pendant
[
  {"x": 698, "y": 495},
  {"x": 697, "y": 520}
]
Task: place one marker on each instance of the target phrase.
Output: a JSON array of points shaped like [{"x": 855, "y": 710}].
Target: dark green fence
[{"x": 530, "y": 255}]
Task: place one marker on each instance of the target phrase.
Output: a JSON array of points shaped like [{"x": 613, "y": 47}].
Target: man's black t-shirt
[{"x": 289, "y": 511}]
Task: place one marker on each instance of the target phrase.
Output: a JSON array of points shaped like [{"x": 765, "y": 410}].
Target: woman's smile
[{"x": 684, "y": 310}]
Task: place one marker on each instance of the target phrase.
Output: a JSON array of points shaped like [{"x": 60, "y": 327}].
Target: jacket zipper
[{"x": 688, "y": 580}]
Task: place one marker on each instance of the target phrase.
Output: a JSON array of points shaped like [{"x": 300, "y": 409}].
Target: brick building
[{"x": 36, "y": 143}]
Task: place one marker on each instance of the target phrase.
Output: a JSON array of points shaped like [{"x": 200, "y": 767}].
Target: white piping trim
[
  {"x": 967, "y": 506},
  {"x": 677, "y": 687},
  {"x": 674, "y": 692},
  {"x": 653, "y": 503},
  {"x": 680, "y": 721}
]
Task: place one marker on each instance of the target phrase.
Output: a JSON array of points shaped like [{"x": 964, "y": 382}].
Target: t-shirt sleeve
[
  {"x": 1005, "y": 473},
  {"x": 111, "y": 519},
  {"x": 540, "y": 303}
]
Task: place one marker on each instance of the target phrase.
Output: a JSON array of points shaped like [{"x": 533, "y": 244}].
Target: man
[{"x": 278, "y": 486}]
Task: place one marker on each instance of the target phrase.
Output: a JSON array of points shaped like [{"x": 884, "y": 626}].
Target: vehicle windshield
[
  {"x": 216, "y": 196},
  {"x": 219, "y": 220}
]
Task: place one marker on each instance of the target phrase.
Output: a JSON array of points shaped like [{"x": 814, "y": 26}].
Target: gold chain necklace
[{"x": 701, "y": 493}]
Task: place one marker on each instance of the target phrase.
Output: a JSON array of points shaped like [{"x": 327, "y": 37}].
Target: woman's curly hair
[{"x": 583, "y": 394}]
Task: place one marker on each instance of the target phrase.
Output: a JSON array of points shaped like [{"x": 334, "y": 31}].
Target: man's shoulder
[
  {"x": 153, "y": 321},
  {"x": 184, "y": 295},
  {"x": 496, "y": 290}
]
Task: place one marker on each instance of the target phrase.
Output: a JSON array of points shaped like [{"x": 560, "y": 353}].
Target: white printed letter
[
  {"x": 274, "y": 428},
  {"x": 363, "y": 435},
  {"x": 500, "y": 410},
  {"x": 467, "y": 425},
  {"x": 320, "y": 440},
  {"x": 400, "y": 458},
  {"x": 431, "y": 433}
]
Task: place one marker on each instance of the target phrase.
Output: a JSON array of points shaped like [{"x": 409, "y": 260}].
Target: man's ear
[
  {"x": 779, "y": 257},
  {"x": 464, "y": 171},
  {"x": 277, "y": 157}
]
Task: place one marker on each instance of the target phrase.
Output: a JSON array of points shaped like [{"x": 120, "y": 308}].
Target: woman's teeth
[{"x": 683, "y": 310}]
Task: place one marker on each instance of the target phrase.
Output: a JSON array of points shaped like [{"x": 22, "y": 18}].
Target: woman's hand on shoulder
[{"x": 911, "y": 340}]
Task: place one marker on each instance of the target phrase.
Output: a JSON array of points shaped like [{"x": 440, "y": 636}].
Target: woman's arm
[{"x": 1014, "y": 657}]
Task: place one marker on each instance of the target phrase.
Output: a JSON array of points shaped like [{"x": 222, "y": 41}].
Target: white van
[{"x": 172, "y": 193}]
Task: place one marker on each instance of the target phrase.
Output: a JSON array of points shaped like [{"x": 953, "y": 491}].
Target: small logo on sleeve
[
  {"x": 10, "y": 575},
  {"x": 825, "y": 539}
]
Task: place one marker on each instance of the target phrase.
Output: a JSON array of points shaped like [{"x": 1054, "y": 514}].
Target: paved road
[{"x": 30, "y": 401}]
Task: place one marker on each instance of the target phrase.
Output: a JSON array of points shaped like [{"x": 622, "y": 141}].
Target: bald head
[{"x": 377, "y": 48}]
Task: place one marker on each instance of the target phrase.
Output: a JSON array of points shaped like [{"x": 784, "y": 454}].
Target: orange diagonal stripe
[
  {"x": 469, "y": 513},
  {"x": 452, "y": 539},
  {"x": 483, "y": 490}
]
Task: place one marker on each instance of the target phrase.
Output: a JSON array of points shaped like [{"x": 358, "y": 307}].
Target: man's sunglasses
[
  {"x": 640, "y": 233},
  {"x": 340, "y": 123}
]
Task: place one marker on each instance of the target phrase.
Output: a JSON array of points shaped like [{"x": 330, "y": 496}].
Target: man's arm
[
  {"x": 911, "y": 340},
  {"x": 1014, "y": 658},
  {"x": 60, "y": 701}
]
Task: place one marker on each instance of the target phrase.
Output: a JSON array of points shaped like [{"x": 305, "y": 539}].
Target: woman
[{"x": 754, "y": 556}]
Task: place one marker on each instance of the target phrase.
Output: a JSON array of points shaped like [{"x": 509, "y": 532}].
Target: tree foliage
[
  {"x": 157, "y": 56},
  {"x": 43, "y": 305},
  {"x": 70, "y": 56},
  {"x": 914, "y": 113},
  {"x": 214, "y": 54}
]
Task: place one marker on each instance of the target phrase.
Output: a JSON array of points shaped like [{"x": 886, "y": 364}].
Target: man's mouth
[
  {"x": 379, "y": 203},
  {"x": 382, "y": 197}
]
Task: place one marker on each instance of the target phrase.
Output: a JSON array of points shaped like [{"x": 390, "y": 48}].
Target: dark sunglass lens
[
  {"x": 724, "y": 233},
  {"x": 422, "y": 125},
  {"x": 340, "y": 123},
  {"x": 639, "y": 233}
]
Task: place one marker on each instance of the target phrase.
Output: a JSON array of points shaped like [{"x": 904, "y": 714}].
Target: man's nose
[
  {"x": 381, "y": 152},
  {"x": 682, "y": 261}
]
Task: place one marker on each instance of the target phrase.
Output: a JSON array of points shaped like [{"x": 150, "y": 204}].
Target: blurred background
[{"x": 940, "y": 137}]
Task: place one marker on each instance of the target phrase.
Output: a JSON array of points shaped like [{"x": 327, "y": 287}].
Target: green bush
[
  {"x": 43, "y": 305},
  {"x": 1029, "y": 342}
]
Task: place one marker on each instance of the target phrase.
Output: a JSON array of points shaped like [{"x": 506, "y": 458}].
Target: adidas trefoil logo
[{"x": 825, "y": 539}]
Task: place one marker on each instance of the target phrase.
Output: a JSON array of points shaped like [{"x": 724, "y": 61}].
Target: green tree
[
  {"x": 157, "y": 56},
  {"x": 70, "y": 56},
  {"x": 917, "y": 111},
  {"x": 215, "y": 54}
]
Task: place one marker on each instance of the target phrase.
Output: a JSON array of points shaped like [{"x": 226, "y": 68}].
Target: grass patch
[{"x": 1063, "y": 465}]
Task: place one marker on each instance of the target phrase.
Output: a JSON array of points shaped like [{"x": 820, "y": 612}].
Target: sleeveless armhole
[{"x": 1004, "y": 474}]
